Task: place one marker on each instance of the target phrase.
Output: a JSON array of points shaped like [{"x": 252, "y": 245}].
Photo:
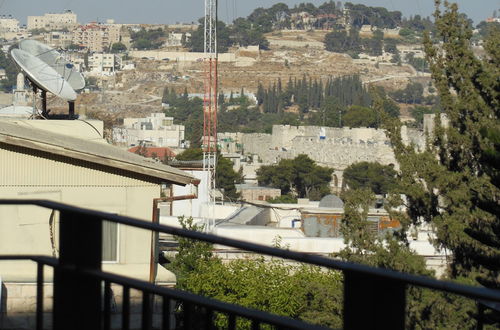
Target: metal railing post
[
  {"x": 373, "y": 302},
  {"x": 77, "y": 298}
]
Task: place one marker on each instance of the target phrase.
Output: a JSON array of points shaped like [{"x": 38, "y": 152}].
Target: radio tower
[{"x": 209, "y": 143}]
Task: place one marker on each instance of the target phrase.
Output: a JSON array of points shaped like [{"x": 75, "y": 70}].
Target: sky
[{"x": 185, "y": 11}]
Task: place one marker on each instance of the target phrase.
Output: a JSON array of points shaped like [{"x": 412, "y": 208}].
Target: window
[{"x": 109, "y": 241}]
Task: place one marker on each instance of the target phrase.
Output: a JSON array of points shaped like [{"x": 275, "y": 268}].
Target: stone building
[
  {"x": 96, "y": 37},
  {"x": 66, "y": 20},
  {"x": 58, "y": 39},
  {"x": 156, "y": 130},
  {"x": 252, "y": 193},
  {"x": 8, "y": 24},
  {"x": 104, "y": 62}
]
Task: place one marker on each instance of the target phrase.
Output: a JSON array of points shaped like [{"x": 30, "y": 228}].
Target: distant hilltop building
[
  {"x": 8, "y": 24},
  {"x": 66, "y": 20},
  {"x": 96, "y": 37},
  {"x": 156, "y": 131}
]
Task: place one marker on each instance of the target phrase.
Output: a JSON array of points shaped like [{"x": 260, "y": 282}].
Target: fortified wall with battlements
[{"x": 336, "y": 148}]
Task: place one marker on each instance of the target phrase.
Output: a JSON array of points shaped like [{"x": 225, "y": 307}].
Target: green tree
[
  {"x": 191, "y": 254},
  {"x": 454, "y": 183},
  {"x": 378, "y": 178},
  {"x": 358, "y": 116},
  {"x": 245, "y": 33},
  {"x": 418, "y": 113},
  {"x": 302, "y": 292},
  {"x": 148, "y": 39},
  {"x": 11, "y": 72},
  {"x": 390, "y": 46},
  {"x": 226, "y": 177},
  {"x": 426, "y": 309},
  {"x": 343, "y": 42},
  {"x": 196, "y": 42},
  {"x": 190, "y": 154},
  {"x": 412, "y": 93},
  {"x": 300, "y": 176},
  {"x": 118, "y": 47}
]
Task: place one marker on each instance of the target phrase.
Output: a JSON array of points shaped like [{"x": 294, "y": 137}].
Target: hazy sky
[{"x": 171, "y": 11}]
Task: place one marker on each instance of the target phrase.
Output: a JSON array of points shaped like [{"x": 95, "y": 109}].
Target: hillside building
[
  {"x": 156, "y": 130},
  {"x": 58, "y": 39},
  {"x": 8, "y": 24},
  {"x": 104, "y": 63},
  {"x": 96, "y": 37},
  {"x": 49, "y": 22},
  {"x": 253, "y": 192}
]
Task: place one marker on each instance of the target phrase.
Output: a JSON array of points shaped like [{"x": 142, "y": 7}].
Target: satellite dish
[
  {"x": 55, "y": 60},
  {"x": 42, "y": 75}
]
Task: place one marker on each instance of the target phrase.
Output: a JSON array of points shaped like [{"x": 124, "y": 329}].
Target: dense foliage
[
  {"x": 241, "y": 33},
  {"x": 380, "y": 179},
  {"x": 376, "y": 16},
  {"x": 11, "y": 72},
  {"x": 312, "y": 94},
  {"x": 412, "y": 93},
  {"x": 118, "y": 47},
  {"x": 350, "y": 42},
  {"x": 188, "y": 112},
  {"x": 454, "y": 184},
  {"x": 302, "y": 292},
  {"x": 298, "y": 291},
  {"x": 147, "y": 39},
  {"x": 300, "y": 177}
]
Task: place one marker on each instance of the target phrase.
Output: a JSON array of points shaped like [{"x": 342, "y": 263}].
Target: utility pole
[{"x": 209, "y": 140}]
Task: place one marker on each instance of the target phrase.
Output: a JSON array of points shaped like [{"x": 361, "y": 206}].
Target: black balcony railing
[{"x": 79, "y": 302}]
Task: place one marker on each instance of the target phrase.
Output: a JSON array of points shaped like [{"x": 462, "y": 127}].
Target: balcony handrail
[
  {"x": 421, "y": 281},
  {"x": 173, "y": 294}
]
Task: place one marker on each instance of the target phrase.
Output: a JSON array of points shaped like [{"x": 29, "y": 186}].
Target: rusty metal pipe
[{"x": 154, "y": 235}]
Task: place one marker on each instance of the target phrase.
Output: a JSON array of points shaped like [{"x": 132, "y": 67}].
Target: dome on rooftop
[{"x": 331, "y": 202}]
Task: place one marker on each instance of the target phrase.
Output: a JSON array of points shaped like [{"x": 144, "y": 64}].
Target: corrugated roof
[{"x": 89, "y": 151}]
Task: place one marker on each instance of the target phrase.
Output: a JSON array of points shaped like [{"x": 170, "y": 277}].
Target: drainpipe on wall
[{"x": 153, "y": 263}]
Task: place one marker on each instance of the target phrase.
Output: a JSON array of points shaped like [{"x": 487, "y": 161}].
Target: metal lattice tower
[{"x": 209, "y": 143}]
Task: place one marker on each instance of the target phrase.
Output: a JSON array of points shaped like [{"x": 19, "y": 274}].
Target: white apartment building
[
  {"x": 156, "y": 130},
  {"x": 8, "y": 24},
  {"x": 97, "y": 37},
  {"x": 66, "y": 20},
  {"x": 104, "y": 62}
]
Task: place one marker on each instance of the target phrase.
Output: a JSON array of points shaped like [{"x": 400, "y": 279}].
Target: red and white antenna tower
[{"x": 209, "y": 143}]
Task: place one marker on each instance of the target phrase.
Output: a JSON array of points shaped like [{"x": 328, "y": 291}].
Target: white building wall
[
  {"x": 8, "y": 24},
  {"x": 191, "y": 207},
  {"x": 156, "y": 129}
]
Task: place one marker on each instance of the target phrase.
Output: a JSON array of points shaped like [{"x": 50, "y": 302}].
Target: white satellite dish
[
  {"x": 42, "y": 75},
  {"x": 55, "y": 60}
]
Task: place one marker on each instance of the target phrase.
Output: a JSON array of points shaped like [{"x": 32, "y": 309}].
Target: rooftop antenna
[
  {"x": 209, "y": 143},
  {"x": 56, "y": 60},
  {"x": 44, "y": 77},
  {"x": 59, "y": 64}
]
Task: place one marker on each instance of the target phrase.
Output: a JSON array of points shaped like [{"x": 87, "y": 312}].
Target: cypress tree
[{"x": 454, "y": 184}]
